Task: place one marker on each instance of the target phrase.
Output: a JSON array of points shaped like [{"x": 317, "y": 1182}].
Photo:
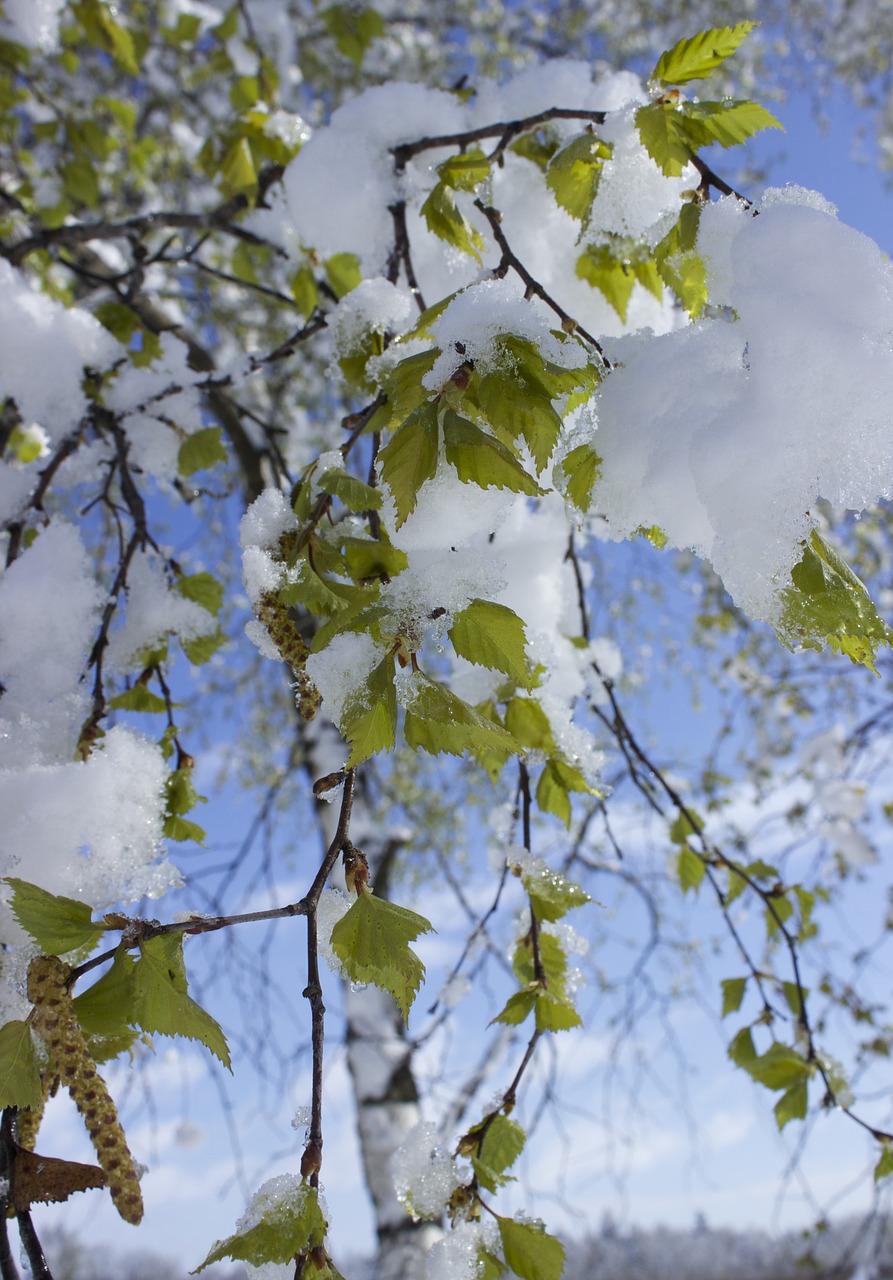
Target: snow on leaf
[
  {"x": 581, "y": 467},
  {"x": 56, "y": 924},
  {"x": 288, "y": 1228},
  {"x": 530, "y": 1251},
  {"x": 574, "y": 171},
  {"x": 439, "y": 721},
  {"x": 162, "y": 1004},
  {"x": 482, "y": 460},
  {"x": 696, "y": 57},
  {"x": 372, "y": 942},
  {"x": 19, "y": 1071},
  {"x": 662, "y": 128},
  {"x": 492, "y": 635},
  {"x": 369, "y": 717}
]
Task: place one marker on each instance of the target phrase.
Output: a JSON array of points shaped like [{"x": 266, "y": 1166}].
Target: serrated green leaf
[
  {"x": 81, "y": 182},
  {"x": 726, "y": 123},
  {"x": 792, "y": 1104},
  {"x": 502, "y": 1143},
  {"x": 238, "y": 175},
  {"x": 492, "y": 635},
  {"x": 685, "y": 824},
  {"x": 778, "y": 910},
  {"x": 202, "y": 449},
  {"x": 519, "y": 407},
  {"x": 369, "y": 716},
  {"x": 551, "y": 894},
  {"x": 528, "y": 723},
  {"x": 372, "y": 942},
  {"x": 410, "y": 458},
  {"x": 696, "y": 57},
  {"x": 203, "y": 588},
  {"x": 180, "y": 792},
  {"x": 353, "y": 29},
  {"x": 581, "y": 467},
  {"x": 732, "y": 994},
  {"x": 482, "y": 460},
  {"x": 555, "y": 1013},
  {"x": 530, "y": 1251},
  {"x": 181, "y": 829},
  {"x": 304, "y": 290},
  {"x": 827, "y": 604},
  {"x": 662, "y": 129},
  {"x": 465, "y": 171},
  {"x": 517, "y": 1007},
  {"x": 354, "y": 493},
  {"x": 368, "y": 558},
  {"x": 741, "y": 1049},
  {"x": 105, "y": 1010},
  {"x": 489, "y": 1267},
  {"x": 343, "y": 273},
  {"x": 203, "y": 648},
  {"x": 161, "y": 1002},
  {"x": 574, "y": 171},
  {"x": 438, "y": 721},
  {"x": 287, "y": 1228},
  {"x": 557, "y": 780},
  {"x": 19, "y": 1069},
  {"x": 884, "y": 1166},
  {"x": 446, "y": 220},
  {"x": 58, "y": 925},
  {"x": 614, "y": 278},
  {"x": 779, "y": 1067},
  {"x": 690, "y": 869},
  {"x": 138, "y": 698}
]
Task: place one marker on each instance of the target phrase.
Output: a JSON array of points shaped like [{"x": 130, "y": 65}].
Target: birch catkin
[{"x": 54, "y": 1021}]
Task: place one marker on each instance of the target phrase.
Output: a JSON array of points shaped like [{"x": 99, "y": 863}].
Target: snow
[
  {"x": 32, "y": 22},
  {"x": 153, "y": 611},
  {"x": 340, "y": 669},
  {"x": 424, "y": 1173}
]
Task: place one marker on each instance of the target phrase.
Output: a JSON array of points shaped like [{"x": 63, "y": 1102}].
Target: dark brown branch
[{"x": 505, "y": 131}]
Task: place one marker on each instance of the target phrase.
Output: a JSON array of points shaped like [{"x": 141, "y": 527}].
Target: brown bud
[{"x": 311, "y": 1160}]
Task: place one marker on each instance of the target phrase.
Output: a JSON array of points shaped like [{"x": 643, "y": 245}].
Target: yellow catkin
[
  {"x": 285, "y": 635},
  {"x": 54, "y": 1021}
]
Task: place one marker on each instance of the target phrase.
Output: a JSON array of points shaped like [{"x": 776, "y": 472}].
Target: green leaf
[
  {"x": 884, "y": 1166},
  {"x": 369, "y": 716},
  {"x": 105, "y": 1010},
  {"x": 343, "y": 273},
  {"x": 793, "y": 995},
  {"x": 551, "y": 894},
  {"x": 203, "y": 648},
  {"x": 238, "y": 175},
  {"x": 202, "y": 588},
  {"x": 727, "y": 123},
  {"x": 287, "y": 1228},
  {"x": 369, "y": 558},
  {"x": 741, "y": 1049},
  {"x": 827, "y": 604},
  {"x": 690, "y": 869},
  {"x": 200, "y": 450},
  {"x": 518, "y": 1007},
  {"x": 529, "y": 1251},
  {"x": 492, "y": 635},
  {"x": 695, "y": 58},
  {"x": 447, "y": 221},
  {"x": 19, "y": 1069},
  {"x": 138, "y": 698},
  {"x": 732, "y": 994},
  {"x": 103, "y": 31},
  {"x": 465, "y": 171},
  {"x": 554, "y": 1012},
  {"x": 662, "y": 129},
  {"x": 353, "y": 29},
  {"x": 304, "y": 290},
  {"x": 599, "y": 267},
  {"x": 372, "y": 942},
  {"x": 557, "y": 780},
  {"x": 355, "y": 494},
  {"x": 528, "y": 723},
  {"x": 181, "y": 829},
  {"x": 502, "y": 1143},
  {"x": 58, "y": 925},
  {"x": 792, "y": 1104},
  {"x": 81, "y": 182},
  {"x": 162, "y": 1004},
  {"x": 410, "y": 458},
  {"x": 482, "y": 460},
  {"x": 581, "y": 467},
  {"x": 518, "y": 406},
  {"x": 438, "y": 721},
  {"x": 574, "y": 171},
  {"x": 489, "y": 1267},
  {"x": 779, "y": 1067},
  {"x": 180, "y": 792}
]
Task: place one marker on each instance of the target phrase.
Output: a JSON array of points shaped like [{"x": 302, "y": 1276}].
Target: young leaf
[
  {"x": 557, "y": 780},
  {"x": 19, "y": 1070},
  {"x": 884, "y": 1166},
  {"x": 465, "y": 171},
  {"x": 528, "y": 723},
  {"x": 690, "y": 869},
  {"x": 438, "y": 721},
  {"x": 447, "y": 221},
  {"x": 161, "y": 1002},
  {"x": 827, "y": 604},
  {"x": 551, "y": 895},
  {"x": 503, "y": 1142},
  {"x": 105, "y": 1011},
  {"x": 574, "y": 172},
  {"x": 492, "y": 635},
  {"x": 203, "y": 588},
  {"x": 353, "y": 29},
  {"x": 410, "y": 458},
  {"x": 741, "y": 1049},
  {"x": 518, "y": 1007},
  {"x": 343, "y": 273},
  {"x": 200, "y": 450},
  {"x": 732, "y": 994},
  {"x": 529, "y": 1251},
  {"x": 792, "y": 1104},
  {"x": 354, "y": 493},
  {"x": 581, "y": 467},
  {"x": 286, "y": 1229},
  {"x": 372, "y": 942},
  {"x": 778, "y": 1068},
  {"x": 695, "y": 58},
  {"x": 614, "y": 278},
  {"x": 369, "y": 717},
  {"x": 727, "y": 123},
  {"x": 662, "y": 129},
  {"x": 482, "y": 460},
  {"x": 138, "y": 698},
  {"x": 56, "y": 924}
]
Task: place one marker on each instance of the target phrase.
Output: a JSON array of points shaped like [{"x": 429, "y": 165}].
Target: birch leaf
[{"x": 372, "y": 942}]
